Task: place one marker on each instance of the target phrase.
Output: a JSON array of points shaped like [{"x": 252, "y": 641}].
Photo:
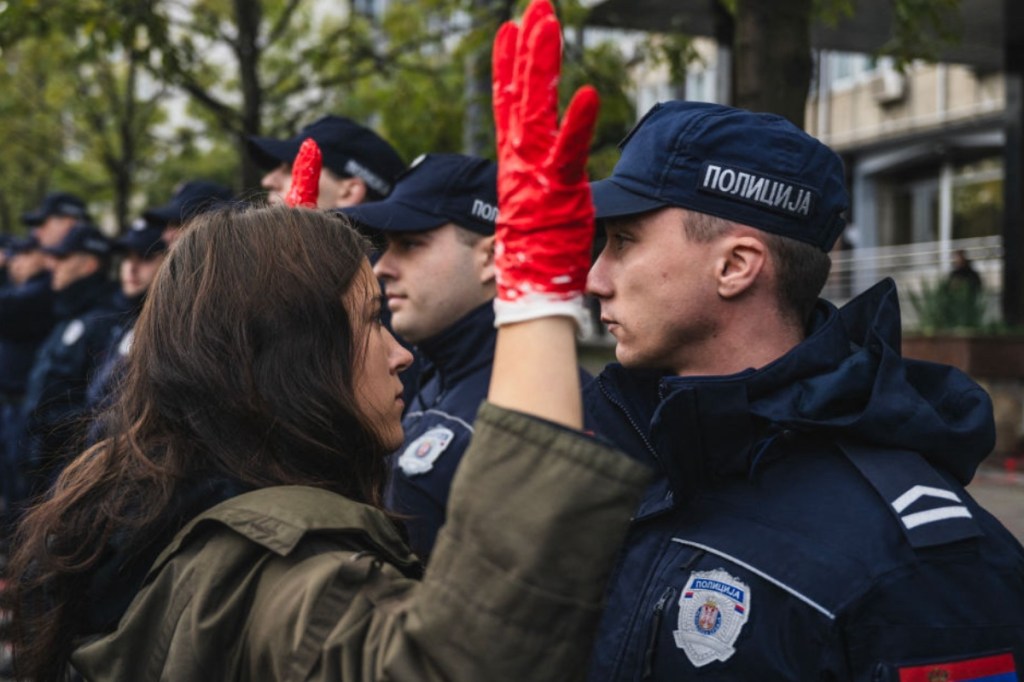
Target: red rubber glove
[
  {"x": 546, "y": 216},
  {"x": 305, "y": 188}
]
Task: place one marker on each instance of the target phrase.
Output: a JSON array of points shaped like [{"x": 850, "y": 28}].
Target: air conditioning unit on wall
[{"x": 888, "y": 86}]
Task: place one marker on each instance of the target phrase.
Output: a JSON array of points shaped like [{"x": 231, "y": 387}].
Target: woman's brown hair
[{"x": 241, "y": 369}]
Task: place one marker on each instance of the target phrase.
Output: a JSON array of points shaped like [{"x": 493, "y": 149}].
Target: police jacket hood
[{"x": 846, "y": 380}]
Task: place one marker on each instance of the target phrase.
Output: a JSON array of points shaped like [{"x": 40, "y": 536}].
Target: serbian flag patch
[{"x": 999, "y": 668}]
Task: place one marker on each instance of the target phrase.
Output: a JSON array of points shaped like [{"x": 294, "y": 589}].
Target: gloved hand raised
[
  {"x": 545, "y": 226},
  {"x": 305, "y": 187}
]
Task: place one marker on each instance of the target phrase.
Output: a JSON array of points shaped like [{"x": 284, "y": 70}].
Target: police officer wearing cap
[
  {"x": 55, "y": 391},
  {"x": 358, "y": 164},
  {"x": 143, "y": 250},
  {"x": 810, "y": 521},
  {"x": 23, "y": 327},
  {"x": 56, "y": 215},
  {"x": 189, "y": 199},
  {"x": 26, "y": 309},
  {"x": 438, "y": 276}
]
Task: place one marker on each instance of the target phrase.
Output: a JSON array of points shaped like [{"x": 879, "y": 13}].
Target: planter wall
[{"x": 989, "y": 357}]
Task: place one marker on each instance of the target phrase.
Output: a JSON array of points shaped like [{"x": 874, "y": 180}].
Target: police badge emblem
[
  {"x": 126, "y": 342},
  {"x": 73, "y": 332},
  {"x": 713, "y": 608},
  {"x": 420, "y": 455}
]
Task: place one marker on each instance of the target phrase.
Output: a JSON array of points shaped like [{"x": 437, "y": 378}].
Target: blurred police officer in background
[
  {"x": 58, "y": 213},
  {"x": 55, "y": 391},
  {"x": 27, "y": 316},
  {"x": 142, "y": 250},
  {"x": 811, "y": 521},
  {"x": 26, "y": 309},
  {"x": 358, "y": 164},
  {"x": 23, "y": 327},
  {"x": 189, "y": 199},
  {"x": 438, "y": 276}
]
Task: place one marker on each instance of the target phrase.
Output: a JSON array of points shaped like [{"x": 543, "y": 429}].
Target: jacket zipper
[
  {"x": 629, "y": 418},
  {"x": 652, "y": 639}
]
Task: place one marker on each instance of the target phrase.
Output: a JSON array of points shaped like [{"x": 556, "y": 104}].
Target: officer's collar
[
  {"x": 80, "y": 295},
  {"x": 463, "y": 347}
]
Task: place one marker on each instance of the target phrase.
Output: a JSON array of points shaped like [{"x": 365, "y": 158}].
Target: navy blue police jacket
[
  {"x": 810, "y": 521},
  {"x": 438, "y": 423},
  {"x": 26, "y": 318},
  {"x": 104, "y": 380},
  {"x": 55, "y": 393}
]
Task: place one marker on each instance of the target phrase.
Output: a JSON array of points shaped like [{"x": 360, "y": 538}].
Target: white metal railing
[{"x": 913, "y": 266}]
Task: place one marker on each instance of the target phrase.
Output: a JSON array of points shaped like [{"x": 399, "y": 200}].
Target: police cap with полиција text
[
  {"x": 436, "y": 190},
  {"x": 750, "y": 168}
]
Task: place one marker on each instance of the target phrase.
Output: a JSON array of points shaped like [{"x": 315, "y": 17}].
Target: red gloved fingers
[
  {"x": 569, "y": 160},
  {"x": 305, "y": 187},
  {"x": 502, "y": 73},
  {"x": 538, "y": 114},
  {"x": 555, "y": 265},
  {"x": 537, "y": 12}
]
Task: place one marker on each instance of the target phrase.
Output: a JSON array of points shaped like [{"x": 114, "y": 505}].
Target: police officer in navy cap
[
  {"x": 55, "y": 391},
  {"x": 189, "y": 199},
  {"x": 358, "y": 164},
  {"x": 23, "y": 327},
  {"x": 142, "y": 250},
  {"x": 810, "y": 521},
  {"x": 29, "y": 307},
  {"x": 438, "y": 276},
  {"x": 55, "y": 216}
]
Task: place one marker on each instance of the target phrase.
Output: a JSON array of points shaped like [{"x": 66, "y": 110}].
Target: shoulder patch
[
  {"x": 126, "y": 342},
  {"x": 998, "y": 668},
  {"x": 713, "y": 608},
  {"x": 73, "y": 332},
  {"x": 419, "y": 456},
  {"x": 929, "y": 510}
]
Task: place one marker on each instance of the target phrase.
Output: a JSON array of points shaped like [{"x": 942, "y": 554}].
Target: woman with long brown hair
[{"x": 230, "y": 527}]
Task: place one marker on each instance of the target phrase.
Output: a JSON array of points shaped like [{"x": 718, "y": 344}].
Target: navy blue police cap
[
  {"x": 436, "y": 190},
  {"x": 143, "y": 237},
  {"x": 59, "y": 204},
  {"x": 19, "y": 245},
  {"x": 82, "y": 238},
  {"x": 346, "y": 147},
  {"x": 751, "y": 168},
  {"x": 190, "y": 199}
]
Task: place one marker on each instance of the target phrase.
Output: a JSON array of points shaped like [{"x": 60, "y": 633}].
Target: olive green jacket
[{"x": 296, "y": 583}]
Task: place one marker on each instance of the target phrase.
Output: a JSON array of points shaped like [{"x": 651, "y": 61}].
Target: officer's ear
[
  {"x": 741, "y": 258},
  {"x": 351, "y": 191},
  {"x": 485, "y": 257}
]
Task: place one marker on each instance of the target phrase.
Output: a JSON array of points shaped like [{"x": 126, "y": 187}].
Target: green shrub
[{"x": 946, "y": 306}]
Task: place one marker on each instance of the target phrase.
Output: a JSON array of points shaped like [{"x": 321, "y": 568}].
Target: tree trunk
[
  {"x": 772, "y": 53},
  {"x": 125, "y": 171},
  {"x": 477, "y": 132},
  {"x": 248, "y": 15}
]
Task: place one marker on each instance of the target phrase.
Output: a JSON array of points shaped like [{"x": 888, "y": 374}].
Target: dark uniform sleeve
[
  {"x": 26, "y": 312},
  {"x": 515, "y": 587}
]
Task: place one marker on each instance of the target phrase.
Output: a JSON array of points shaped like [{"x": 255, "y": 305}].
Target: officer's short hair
[{"x": 801, "y": 268}]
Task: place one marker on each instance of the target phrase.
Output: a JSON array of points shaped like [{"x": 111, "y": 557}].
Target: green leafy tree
[
  {"x": 772, "y": 49},
  {"x": 419, "y": 73},
  {"x": 33, "y": 95},
  {"x": 93, "y": 54}
]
